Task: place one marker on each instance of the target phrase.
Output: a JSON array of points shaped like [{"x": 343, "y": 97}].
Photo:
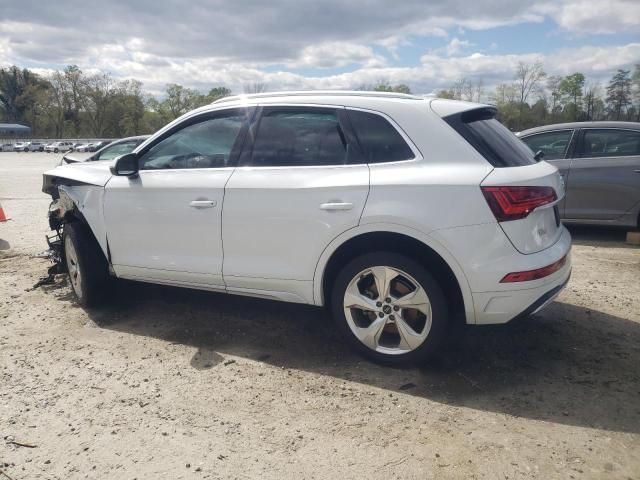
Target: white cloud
[
  {"x": 456, "y": 46},
  {"x": 587, "y": 16},
  {"x": 336, "y": 54},
  {"x": 203, "y": 43}
]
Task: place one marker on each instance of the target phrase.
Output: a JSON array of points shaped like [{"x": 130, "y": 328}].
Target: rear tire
[
  {"x": 86, "y": 265},
  {"x": 407, "y": 324}
]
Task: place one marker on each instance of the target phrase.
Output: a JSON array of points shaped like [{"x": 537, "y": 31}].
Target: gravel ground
[{"x": 171, "y": 383}]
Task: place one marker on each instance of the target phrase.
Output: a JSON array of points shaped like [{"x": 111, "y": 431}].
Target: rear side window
[
  {"x": 610, "y": 143},
  {"x": 553, "y": 145},
  {"x": 379, "y": 140},
  {"x": 500, "y": 147},
  {"x": 293, "y": 137}
]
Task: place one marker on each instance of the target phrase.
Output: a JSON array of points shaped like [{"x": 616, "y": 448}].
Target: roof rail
[{"x": 350, "y": 93}]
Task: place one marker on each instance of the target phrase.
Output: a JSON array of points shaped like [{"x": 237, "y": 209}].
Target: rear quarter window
[
  {"x": 495, "y": 142},
  {"x": 379, "y": 140}
]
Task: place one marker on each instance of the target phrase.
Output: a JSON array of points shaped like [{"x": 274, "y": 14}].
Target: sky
[{"x": 328, "y": 44}]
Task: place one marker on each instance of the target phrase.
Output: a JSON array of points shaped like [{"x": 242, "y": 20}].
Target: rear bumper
[{"x": 528, "y": 297}]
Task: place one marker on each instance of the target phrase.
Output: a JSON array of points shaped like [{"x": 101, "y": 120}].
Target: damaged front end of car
[
  {"x": 76, "y": 194},
  {"x": 61, "y": 210}
]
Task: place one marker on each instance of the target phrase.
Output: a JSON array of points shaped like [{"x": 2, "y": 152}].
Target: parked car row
[
  {"x": 109, "y": 151},
  {"x": 54, "y": 147},
  {"x": 26, "y": 147}
]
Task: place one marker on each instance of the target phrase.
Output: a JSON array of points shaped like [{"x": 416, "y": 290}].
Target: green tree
[
  {"x": 16, "y": 88},
  {"x": 635, "y": 91},
  {"x": 179, "y": 100},
  {"x": 571, "y": 91},
  {"x": 619, "y": 94}
]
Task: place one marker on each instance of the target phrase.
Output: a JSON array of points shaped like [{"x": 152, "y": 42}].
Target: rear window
[{"x": 500, "y": 147}]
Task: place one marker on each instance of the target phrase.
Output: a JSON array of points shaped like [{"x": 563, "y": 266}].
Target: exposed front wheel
[
  {"x": 86, "y": 265},
  {"x": 390, "y": 308}
]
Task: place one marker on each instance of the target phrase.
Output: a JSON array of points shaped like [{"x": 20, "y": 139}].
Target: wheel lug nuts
[
  {"x": 381, "y": 314},
  {"x": 388, "y": 300},
  {"x": 392, "y": 317},
  {"x": 396, "y": 308},
  {"x": 378, "y": 304}
]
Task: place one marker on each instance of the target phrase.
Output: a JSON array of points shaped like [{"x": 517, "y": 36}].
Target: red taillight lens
[
  {"x": 513, "y": 203},
  {"x": 534, "y": 274}
]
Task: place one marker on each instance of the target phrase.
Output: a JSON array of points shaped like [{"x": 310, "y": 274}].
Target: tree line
[
  {"x": 71, "y": 103},
  {"x": 534, "y": 98},
  {"x": 75, "y": 104}
]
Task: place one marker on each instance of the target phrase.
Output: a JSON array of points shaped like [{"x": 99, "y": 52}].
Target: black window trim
[
  {"x": 571, "y": 147},
  {"x": 580, "y": 143},
  {"x": 244, "y": 159},
  {"x": 417, "y": 154},
  {"x": 236, "y": 150}
]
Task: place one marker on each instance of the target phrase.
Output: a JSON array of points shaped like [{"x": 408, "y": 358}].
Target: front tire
[
  {"x": 390, "y": 308},
  {"x": 86, "y": 265}
]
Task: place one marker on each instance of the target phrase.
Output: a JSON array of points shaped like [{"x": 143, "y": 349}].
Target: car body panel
[
  {"x": 155, "y": 233},
  {"x": 539, "y": 229}
]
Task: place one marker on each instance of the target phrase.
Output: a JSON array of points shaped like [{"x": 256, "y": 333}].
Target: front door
[
  {"x": 604, "y": 179},
  {"x": 298, "y": 186},
  {"x": 165, "y": 224}
]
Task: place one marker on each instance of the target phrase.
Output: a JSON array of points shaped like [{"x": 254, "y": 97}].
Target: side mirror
[
  {"x": 538, "y": 156},
  {"x": 126, "y": 165}
]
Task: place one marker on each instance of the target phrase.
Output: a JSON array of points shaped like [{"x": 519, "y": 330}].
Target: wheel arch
[{"x": 400, "y": 239}]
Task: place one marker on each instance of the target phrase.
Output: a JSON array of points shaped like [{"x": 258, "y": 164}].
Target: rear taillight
[
  {"x": 513, "y": 203},
  {"x": 536, "y": 274}
]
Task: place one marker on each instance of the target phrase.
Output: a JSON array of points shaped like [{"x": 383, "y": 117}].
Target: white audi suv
[{"x": 401, "y": 214}]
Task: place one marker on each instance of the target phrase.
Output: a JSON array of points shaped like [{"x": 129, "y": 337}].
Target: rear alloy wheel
[{"x": 390, "y": 308}]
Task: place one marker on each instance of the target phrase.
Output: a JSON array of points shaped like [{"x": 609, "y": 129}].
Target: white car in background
[
  {"x": 6, "y": 147},
  {"x": 36, "y": 146},
  {"x": 21, "y": 146},
  {"x": 84, "y": 147},
  {"x": 400, "y": 214},
  {"x": 57, "y": 147}
]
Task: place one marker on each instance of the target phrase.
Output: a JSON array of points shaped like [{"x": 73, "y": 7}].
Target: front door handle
[
  {"x": 336, "y": 206},
  {"x": 202, "y": 203},
  {"x": 637, "y": 171}
]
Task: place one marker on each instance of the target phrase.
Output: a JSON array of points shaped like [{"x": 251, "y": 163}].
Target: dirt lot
[{"x": 170, "y": 383}]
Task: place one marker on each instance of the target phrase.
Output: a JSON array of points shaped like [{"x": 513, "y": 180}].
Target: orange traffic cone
[{"x": 3, "y": 216}]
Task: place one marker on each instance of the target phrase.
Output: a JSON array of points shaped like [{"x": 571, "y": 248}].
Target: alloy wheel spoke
[
  {"x": 383, "y": 277},
  {"x": 371, "y": 334},
  {"x": 354, "y": 299},
  {"x": 409, "y": 339},
  {"x": 417, "y": 300}
]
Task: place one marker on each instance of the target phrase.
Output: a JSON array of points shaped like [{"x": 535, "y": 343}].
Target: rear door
[
  {"x": 300, "y": 184},
  {"x": 556, "y": 146},
  {"x": 604, "y": 179}
]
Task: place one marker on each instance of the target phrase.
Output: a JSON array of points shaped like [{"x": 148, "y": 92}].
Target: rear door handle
[
  {"x": 336, "y": 206},
  {"x": 202, "y": 203},
  {"x": 637, "y": 171}
]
